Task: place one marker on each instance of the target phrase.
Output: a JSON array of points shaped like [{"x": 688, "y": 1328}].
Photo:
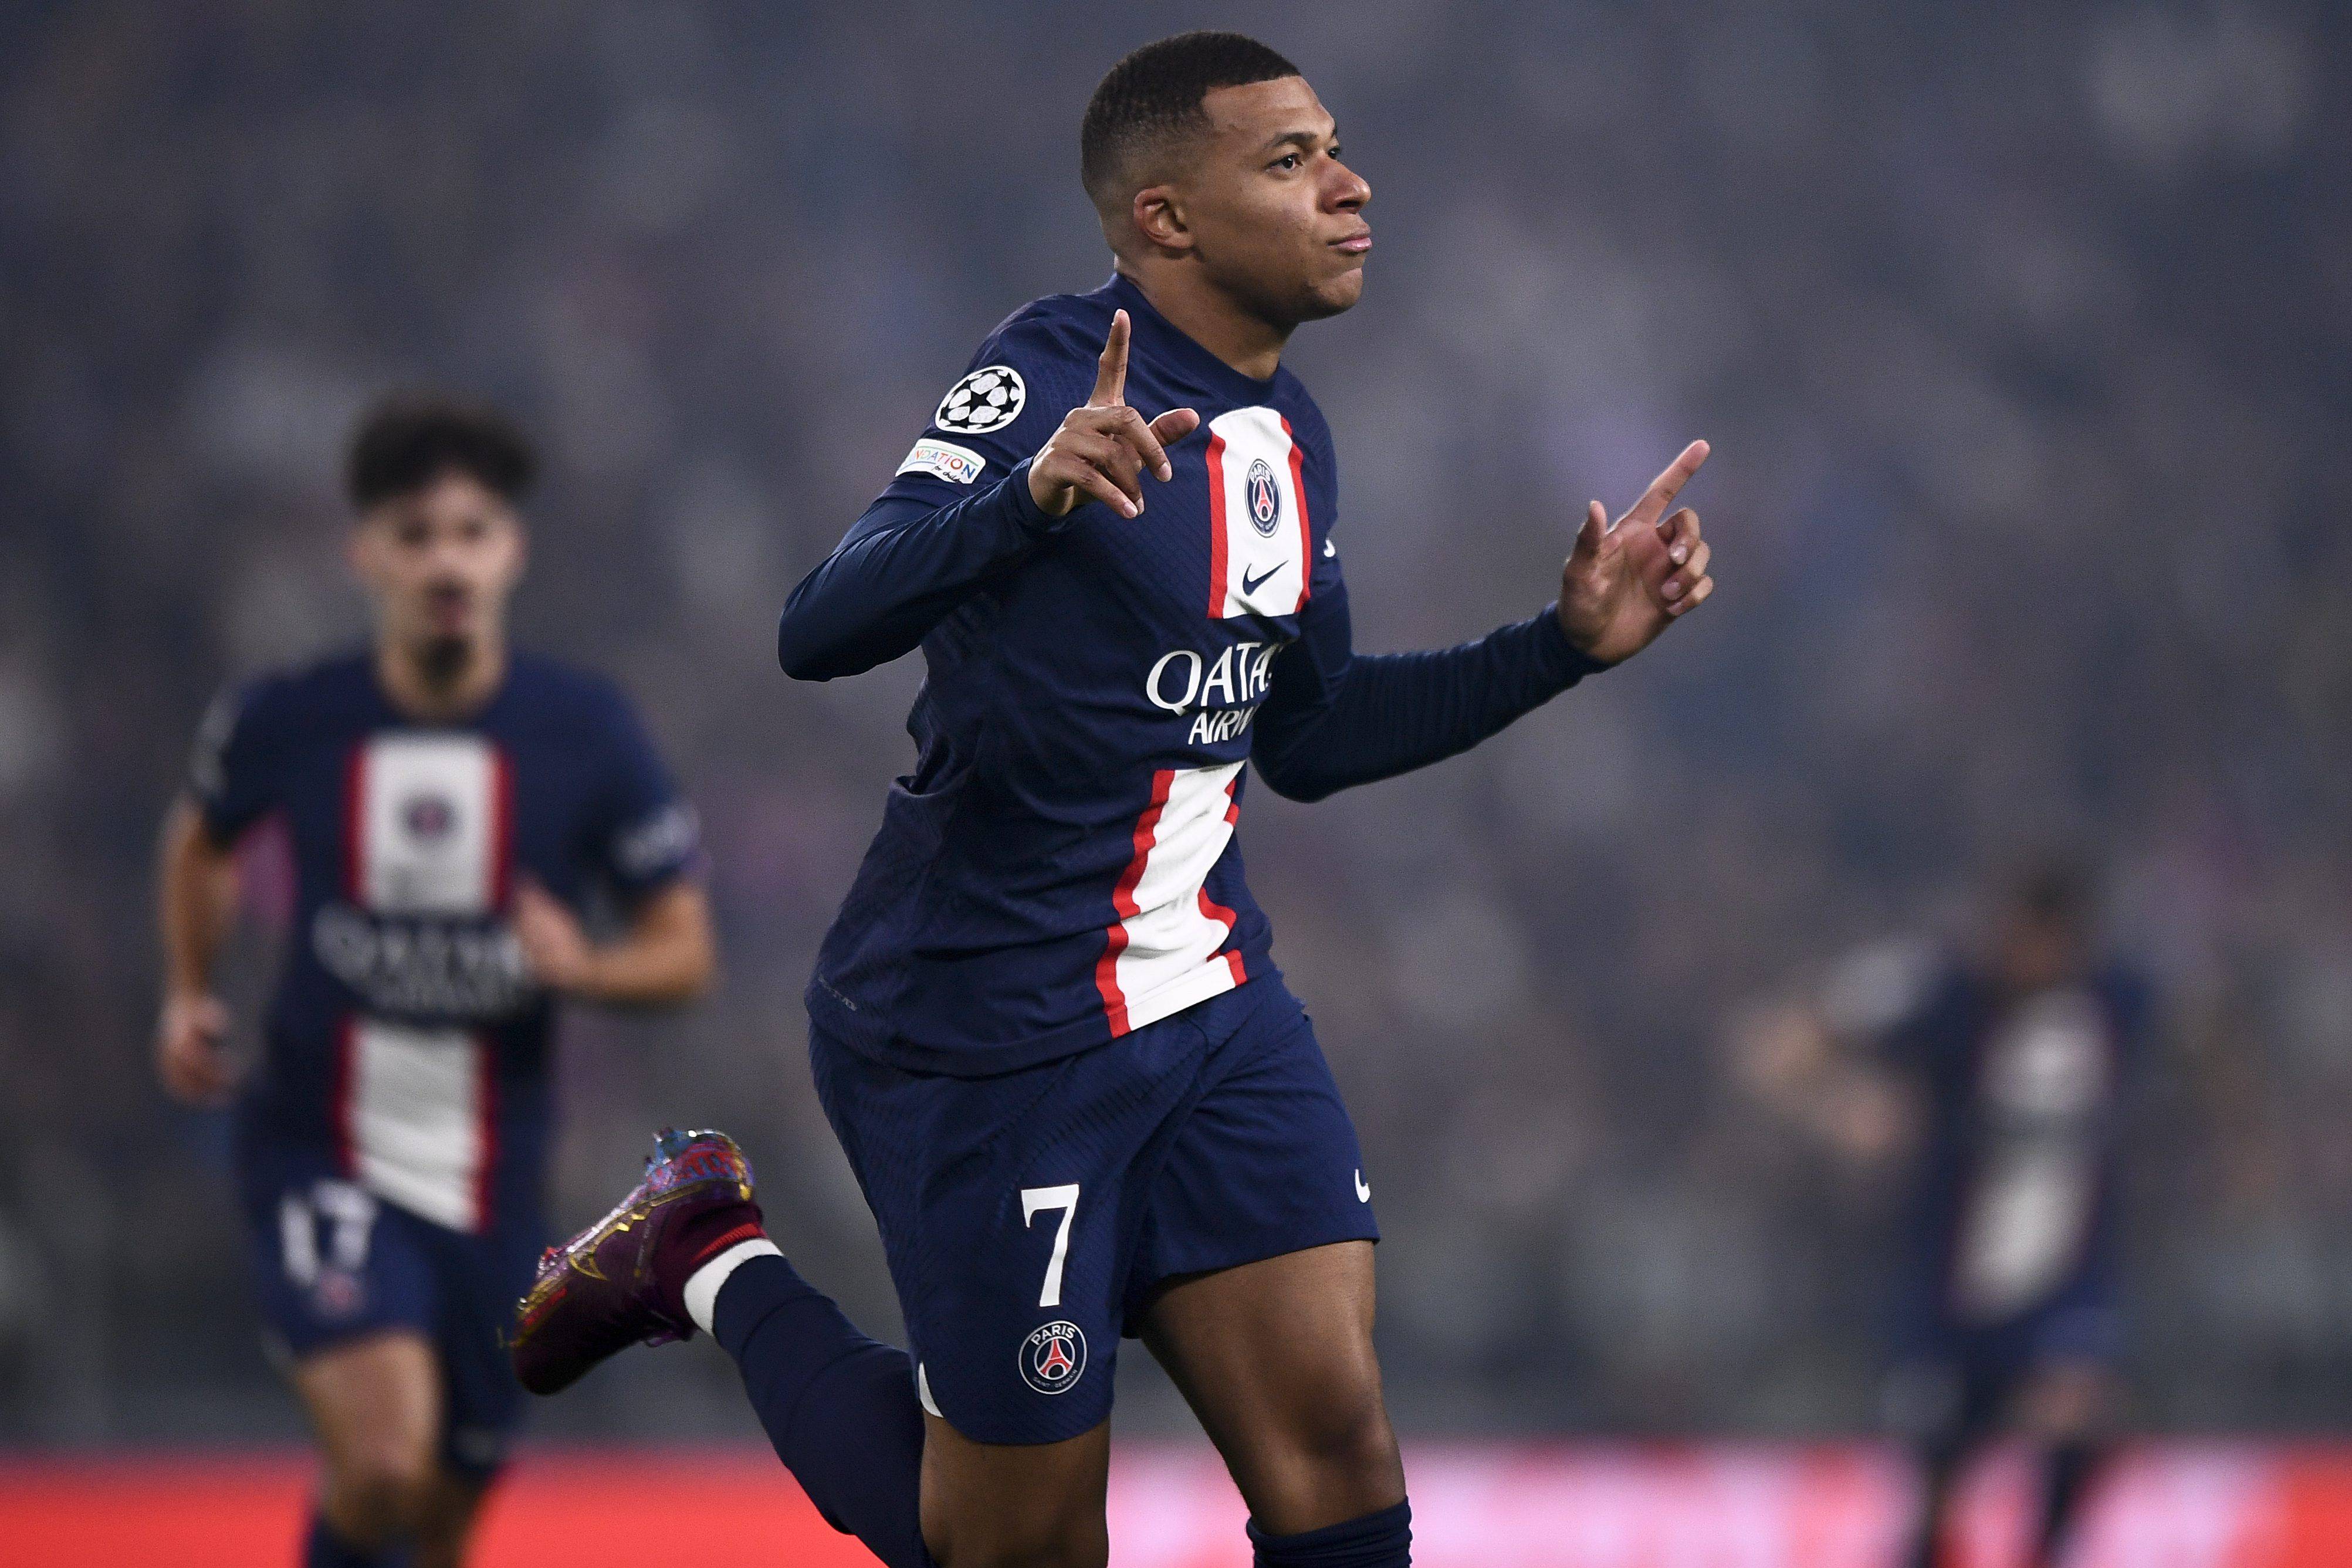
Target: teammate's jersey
[
  {"x": 2013, "y": 1210},
  {"x": 406, "y": 1036},
  {"x": 1061, "y": 866}
]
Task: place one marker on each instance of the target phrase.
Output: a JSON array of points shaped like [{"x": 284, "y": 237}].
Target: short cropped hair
[
  {"x": 411, "y": 439},
  {"x": 1154, "y": 95}
]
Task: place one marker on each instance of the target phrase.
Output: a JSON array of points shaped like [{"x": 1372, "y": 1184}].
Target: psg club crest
[
  {"x": 428, "y": 817},
  {"x": 1054, "y": 1358},
  {"x": 1264, "y": 497},
  {"x": 338, "y": 1294},
  {"x": 988, "y": 399}
]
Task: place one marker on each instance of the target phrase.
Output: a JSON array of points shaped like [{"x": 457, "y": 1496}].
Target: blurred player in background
[
  {"x": 1996, "y": 1079},
  {"x": 451, "y": 801},
  {"x": 1047, "y": 1024}
]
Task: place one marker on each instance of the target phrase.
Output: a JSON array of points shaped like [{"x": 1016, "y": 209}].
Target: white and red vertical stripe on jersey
[
  {"x": 417, "y": 1118},
  {"x": 430, "y": 826},
  {"x": 1164, "y": 952},
  {"x": 1260, "y": 545}
]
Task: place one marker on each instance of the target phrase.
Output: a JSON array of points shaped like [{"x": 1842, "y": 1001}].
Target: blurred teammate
[
  {"x": 450, "y": 801},
  {"x": 1046, "y": 1025},
  {"x": 1998, "y": 1079}
]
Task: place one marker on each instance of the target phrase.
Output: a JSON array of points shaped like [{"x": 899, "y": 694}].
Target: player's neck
[
  {"x": 1212, "y": 318},
  {"x": 443, "y": 681}
]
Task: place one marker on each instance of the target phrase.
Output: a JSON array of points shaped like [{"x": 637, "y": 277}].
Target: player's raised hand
[
  {"x": 1624, "y": 584},
  {"x": 1102, "y": 450},
  {"x": 191, "y": 1053}
]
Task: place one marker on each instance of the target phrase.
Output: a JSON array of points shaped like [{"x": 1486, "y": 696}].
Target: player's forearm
[
  {"x": 196, "y": 899},
  {"x": 1388, "y": 713},
  {"x": 667, "y": 957},
  {"x": 902, "y": 569}
]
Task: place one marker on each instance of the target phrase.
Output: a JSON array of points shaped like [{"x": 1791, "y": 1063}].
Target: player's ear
[{"x": 1158, "y": 215}]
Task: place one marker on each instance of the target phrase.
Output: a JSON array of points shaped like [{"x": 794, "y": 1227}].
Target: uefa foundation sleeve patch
[{"x": 956, "y": 464}]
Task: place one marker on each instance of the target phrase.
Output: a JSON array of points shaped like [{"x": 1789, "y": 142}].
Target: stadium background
[{"x": 2023, "y": 342}]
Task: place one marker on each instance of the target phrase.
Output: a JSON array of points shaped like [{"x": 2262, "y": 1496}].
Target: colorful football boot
[{"x": 621, "y": 1281}]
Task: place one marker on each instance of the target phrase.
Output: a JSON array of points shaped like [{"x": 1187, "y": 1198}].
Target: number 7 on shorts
[{"x": 1065, "y": 1198}]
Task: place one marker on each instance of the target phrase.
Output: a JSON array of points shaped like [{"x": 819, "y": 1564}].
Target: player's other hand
[
  {"x": 555, "y": 947},
  {"x": 191, "y": 1049},
  {"x": 1624, "y": 584},
  {"x": 1103, "y": 450}
]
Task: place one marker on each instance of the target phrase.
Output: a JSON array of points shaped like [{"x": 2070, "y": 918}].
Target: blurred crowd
[{"x": 2023, "y": 334}]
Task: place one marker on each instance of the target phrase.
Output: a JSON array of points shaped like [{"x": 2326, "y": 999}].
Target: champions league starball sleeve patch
[{"x": 988, "y": 399}]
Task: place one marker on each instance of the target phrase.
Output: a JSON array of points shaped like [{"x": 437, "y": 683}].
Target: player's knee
[
  {"x": 1072, "y": 1536},
  {"x": 1077, "y": 1549},
  {"x": 1345, "y": 1432},
  {"x": 1037, "y": 1554},
  {"x": 382, "y": 1492},
  {"x": 1328, "y": 1461},
  {"x": 444, "y": 1523}
]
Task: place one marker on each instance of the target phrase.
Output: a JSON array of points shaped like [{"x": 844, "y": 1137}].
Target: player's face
[
  {"x": 440, "y": 562},
  {"x": 1274, "y": 216},
  {"x": 2039, "y": 951}
]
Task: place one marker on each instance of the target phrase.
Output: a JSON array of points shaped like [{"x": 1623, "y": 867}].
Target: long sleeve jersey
[{"x": 1061, "y": 866}]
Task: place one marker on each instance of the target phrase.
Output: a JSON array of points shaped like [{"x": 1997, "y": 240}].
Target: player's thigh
[
  {"x": 349, "y": 1301},
  {"x": 1035, "y": 1505},
  {"x": 1275, "y": 1357},
  {"x": 375, "y": 1404}
]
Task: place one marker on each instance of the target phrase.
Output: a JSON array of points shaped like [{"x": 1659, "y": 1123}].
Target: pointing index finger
[
  {"x": 1666, "y": 486},
  {"x": 1111, "y": 372}
]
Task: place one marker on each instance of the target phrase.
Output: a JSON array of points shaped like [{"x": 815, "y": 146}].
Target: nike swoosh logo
[
  {"x": 1251, "y": 584},
  {"x": 1330, "y": 547},
  {"x": 1363, "y": 1188}
]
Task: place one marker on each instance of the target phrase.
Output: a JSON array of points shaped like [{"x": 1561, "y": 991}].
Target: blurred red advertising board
[{"x": 1475, "y": 1505}]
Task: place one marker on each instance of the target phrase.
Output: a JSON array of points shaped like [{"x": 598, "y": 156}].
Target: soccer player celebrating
[
  {"x": 1047, "y": 1024},
  {"x": 1997, "y": 1080},
  {"x": 449, "y": 800}
]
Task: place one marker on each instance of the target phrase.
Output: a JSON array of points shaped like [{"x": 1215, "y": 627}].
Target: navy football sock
[
  {"x": 2071, "y": 1470},
  {"x": 1382, "y": 1540},
  {"x": 325, "y": 1548},
  {"x": 1940, "y": 1459},
  {"x": 839, "y": 1409}
]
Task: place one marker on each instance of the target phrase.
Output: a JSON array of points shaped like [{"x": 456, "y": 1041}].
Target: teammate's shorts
[
  {"x": 333, "y": 1263},
  {"x": 1030, "y": 1217},
  {"x": 1966, "y": 1376}
]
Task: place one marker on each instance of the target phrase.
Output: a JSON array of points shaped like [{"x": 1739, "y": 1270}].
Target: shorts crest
[{"x": 1054, "y": 1358}]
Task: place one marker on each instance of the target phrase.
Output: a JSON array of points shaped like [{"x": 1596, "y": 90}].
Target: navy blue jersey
[
  {"x": 405, "y": 1037},
  {"x": 2013, "y": 1210},
  {"x": 1061, "y": 866}
]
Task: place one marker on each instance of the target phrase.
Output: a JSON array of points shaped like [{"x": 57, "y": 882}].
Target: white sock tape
[{"x": 702, "y": 1286}]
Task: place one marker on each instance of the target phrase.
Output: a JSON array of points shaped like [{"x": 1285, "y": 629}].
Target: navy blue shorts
[
  {"x": 1951, "y": 1375},
  {"x": 332, "y": 1263},
  {"x": 1030, "y": 1217}
]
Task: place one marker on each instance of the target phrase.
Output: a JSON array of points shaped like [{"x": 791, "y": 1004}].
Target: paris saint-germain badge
[
  {"x": 1264, "y": 497},
  {"x": 1054, "y": 1358}
]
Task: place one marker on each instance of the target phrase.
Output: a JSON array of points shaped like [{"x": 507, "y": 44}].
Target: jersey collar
[{"x": 1166, "y": 339}]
